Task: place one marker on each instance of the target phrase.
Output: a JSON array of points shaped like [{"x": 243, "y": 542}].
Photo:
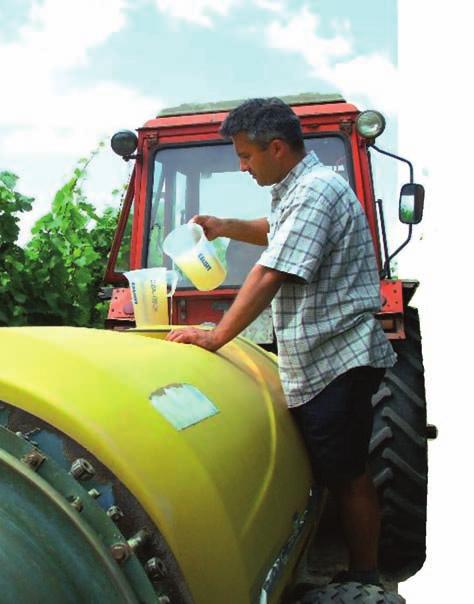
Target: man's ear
[{"x": 279, "y": 147}]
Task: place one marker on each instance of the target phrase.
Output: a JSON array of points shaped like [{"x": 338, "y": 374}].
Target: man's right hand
[
  {"x": 213, "y": 227},
  {"x": 251, "y": 231}
]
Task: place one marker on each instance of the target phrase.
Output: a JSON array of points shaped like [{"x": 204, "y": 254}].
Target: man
[{"x": 319, "y": 272}]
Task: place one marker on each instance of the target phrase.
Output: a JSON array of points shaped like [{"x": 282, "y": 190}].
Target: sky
[{"x": 75, "y": 72}]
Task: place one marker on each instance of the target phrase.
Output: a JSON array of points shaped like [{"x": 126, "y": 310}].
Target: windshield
[{"x": 206, "y": 180}]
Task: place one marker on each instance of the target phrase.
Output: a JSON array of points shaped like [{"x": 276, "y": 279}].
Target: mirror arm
[
  {"x": 410, "y": 229},
  {"x": 385, "y": 272},
  {"x": 396, "y": 157}
]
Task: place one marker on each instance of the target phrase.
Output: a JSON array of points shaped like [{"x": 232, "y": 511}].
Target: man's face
[{"x": 262, "y": 164}]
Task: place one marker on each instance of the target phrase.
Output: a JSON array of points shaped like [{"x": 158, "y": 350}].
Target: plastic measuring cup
[
  {"x": 149, "y": 289},
  {"x": 197, "y": 257}
]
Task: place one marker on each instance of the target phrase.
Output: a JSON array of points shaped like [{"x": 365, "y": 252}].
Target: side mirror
[{"x": 412, "y": 197}]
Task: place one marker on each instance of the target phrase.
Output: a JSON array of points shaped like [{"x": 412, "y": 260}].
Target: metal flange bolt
[
  {"x": 76, "y": 503},
  {"x": 82, "y": 469},
  {"x": 164, "y": 600},
  {"x": 33, "y": 459},
  {"x": 28, "y": 435},
  {"x": 120, "y": 551},
  {"x": 123, "y": 551},
  {"x": 139, "y": 539},
  {"x": 94, "y": 493},
  {"x": 155, "y": 568},
  {"x": 115, "y": 513}
]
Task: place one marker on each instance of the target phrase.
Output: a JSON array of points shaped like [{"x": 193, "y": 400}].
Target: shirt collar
[{"x": 308, "y": 161}]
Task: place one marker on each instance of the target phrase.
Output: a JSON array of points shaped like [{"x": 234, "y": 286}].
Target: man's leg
[
  {"x": 360, "y": 518},
  {"x": 336, "y": 426}
]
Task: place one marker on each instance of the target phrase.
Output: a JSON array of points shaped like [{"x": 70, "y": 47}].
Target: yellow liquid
[
  {"x": 159, "y": 302},
  {"x": 203, "y": 271},
  {"x": 152, "y": 306}
]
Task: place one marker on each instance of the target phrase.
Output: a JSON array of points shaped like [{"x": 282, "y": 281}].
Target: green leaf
[
  {"x": 9, "y": 179},
  {"x": 23, "y": 202},
  {"x": 19, "y": 297},
  {"x": 54, "y": 280}
]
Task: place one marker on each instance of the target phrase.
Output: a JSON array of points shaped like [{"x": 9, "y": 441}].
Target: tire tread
[{"x": 398, "y": 456}]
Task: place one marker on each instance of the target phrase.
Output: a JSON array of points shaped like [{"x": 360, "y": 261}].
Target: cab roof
[{"x": 305, "y": 98}]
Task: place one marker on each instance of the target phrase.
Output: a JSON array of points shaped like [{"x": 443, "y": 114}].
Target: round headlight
[
  {"x": 124, "y": 142},
  {"x": 370, "y": 124}
]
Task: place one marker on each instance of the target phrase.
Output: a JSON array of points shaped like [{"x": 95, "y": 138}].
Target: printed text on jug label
[{"x": 204, "y": 262}]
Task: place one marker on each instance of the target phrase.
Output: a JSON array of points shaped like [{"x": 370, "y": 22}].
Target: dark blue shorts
[{"x": 336, "y": 425}]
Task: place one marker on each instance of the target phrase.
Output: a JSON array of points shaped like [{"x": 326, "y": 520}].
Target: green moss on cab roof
[{"x": 296, "y": 99}]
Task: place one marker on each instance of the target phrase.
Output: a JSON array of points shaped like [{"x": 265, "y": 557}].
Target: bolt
[
  {"x": 155, "y": 568},
  {"x": 94, "y": 493},
  {"x": 164, "y": 600},
  {"x": 33, "y": 459},
  {"x": 28, "y": 435},
  {"x": 139, "y": 539},
  {"x": 115, "y": 513},
  {"x": 81, "y": 469},
  {"x": 76, "y": 503},
  {"x": 120, "y": 551}
]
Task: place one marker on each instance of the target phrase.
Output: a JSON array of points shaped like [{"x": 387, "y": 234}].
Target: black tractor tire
[
  {"x": 398, "y": 456},
  {"x": 351, "y": 593}
]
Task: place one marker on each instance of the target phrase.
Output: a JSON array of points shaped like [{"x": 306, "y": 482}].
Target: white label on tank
[{"x": 183, "y": 405}]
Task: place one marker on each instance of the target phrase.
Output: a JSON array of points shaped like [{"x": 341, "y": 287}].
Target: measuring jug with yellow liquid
[
  {"x": 150, "y": 290},
  {"x": 197, "y": 257}
]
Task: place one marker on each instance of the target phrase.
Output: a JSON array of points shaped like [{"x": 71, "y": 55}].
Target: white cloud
[
  {"x": 274, "y": 6},
  {"x": 73, "y": 121},
  {"x": 38, "y": 110},
  {"x": 196, "y": 11},
  {"x": 372, "y": 78},
  {"x": 47, "y": 124},
  {"x": 341, "y": 26},
  {"x": 60, "y": 33},
  {"x": 367, "y": 79},
  {"x": 298, "y": 35}
]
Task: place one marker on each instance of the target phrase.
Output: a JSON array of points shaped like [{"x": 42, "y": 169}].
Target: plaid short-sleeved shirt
[{"x": 324, "y": 321}]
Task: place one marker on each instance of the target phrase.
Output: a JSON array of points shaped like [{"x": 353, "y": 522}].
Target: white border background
[{"x": 436, "y": 131}]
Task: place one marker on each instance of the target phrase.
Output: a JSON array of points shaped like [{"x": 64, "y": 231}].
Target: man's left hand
[
  {"x": 254, "y": 296},
  {"x": 192, "y": 335}
]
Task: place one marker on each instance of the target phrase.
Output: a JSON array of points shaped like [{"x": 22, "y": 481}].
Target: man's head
[{"x": 267, "y": 138}]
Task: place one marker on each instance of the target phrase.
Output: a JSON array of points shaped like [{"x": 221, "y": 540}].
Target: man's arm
[
  {"x": 254, "y": 296},
  {"x": 251, "y": 231}
]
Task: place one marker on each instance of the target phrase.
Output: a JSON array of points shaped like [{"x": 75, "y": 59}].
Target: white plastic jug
[
  {"x": 150, "y": 288},
  {"x": 197, "y": 257}
]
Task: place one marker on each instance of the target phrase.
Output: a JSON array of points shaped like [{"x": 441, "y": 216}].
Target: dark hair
[{"x": 264, "y": 120}]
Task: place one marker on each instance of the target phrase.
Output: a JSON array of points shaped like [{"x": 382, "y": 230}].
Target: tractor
[{"x": 139, "y": 470}]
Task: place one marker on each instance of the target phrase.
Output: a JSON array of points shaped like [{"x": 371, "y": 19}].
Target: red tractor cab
[{"x": 183, "y": 167}]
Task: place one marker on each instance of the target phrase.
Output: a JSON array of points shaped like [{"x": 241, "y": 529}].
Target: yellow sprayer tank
[{"x": 140, "y": 470}]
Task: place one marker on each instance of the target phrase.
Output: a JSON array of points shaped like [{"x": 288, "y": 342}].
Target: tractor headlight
[
  {"x": 124, "y": 143},
  {"x": 370, "y": 124}
]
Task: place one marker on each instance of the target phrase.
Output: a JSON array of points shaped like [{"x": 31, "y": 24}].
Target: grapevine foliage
[{"x": 55, "y": 278}]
